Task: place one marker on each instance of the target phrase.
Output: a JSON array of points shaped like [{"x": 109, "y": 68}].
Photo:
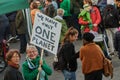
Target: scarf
[
  {"x": 13, "y": 65},
  {"x": 32, "y": 66}
]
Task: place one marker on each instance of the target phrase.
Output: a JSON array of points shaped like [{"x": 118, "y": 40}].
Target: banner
[
  {"x": 7, "y": 6},
  {"x": 46, "y": 33}
]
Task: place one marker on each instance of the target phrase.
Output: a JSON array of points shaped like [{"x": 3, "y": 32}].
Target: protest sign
[{"x": 46, "y": 33}]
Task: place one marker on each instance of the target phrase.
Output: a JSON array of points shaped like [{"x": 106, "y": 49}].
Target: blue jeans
[{"x": 69, "y": 75}]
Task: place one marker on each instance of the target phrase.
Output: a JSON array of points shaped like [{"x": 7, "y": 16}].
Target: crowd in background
[{"x": 79, "y": 18}]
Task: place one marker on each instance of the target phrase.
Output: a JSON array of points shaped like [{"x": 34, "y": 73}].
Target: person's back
[
  {"x": 94, "y": 55},
  {"x": 92, "y": 59},
  {"x": 110, "y": 17}
]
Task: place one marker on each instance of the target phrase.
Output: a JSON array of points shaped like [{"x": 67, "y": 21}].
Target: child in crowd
[{"x": 94, "y": 16}]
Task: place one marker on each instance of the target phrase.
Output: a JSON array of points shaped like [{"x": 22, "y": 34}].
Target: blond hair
[
  {"x": 60, "y": 11},
  {"x": 30, "y": 47}
]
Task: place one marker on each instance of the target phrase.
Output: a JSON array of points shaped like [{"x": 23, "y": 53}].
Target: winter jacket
[
  {"x": 86, "y": 17},
  {"x": 64, "y": 27},
  {"x": 12, "y": 73},
  {"x": 65, "y": 4},
  {"x": 21, "y": 24},
  {"x": 31, "y": 74},
  {"x": 92, "y": 59},
  {"x": 70, "y": 57},
  {"x": 95, "y": 17}
]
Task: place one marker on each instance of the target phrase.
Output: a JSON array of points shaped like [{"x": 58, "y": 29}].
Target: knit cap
[{"x": 88, "y": 36}]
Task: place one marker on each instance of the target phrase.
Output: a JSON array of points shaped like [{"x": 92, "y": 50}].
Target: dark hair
[
  {"x": 71, "y": 31},
  {"x": 88, "y": 36},
  {"x": 10, "y": 54}
]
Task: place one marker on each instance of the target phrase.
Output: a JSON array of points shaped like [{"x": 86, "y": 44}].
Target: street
[{"x": 58, "y": 75}]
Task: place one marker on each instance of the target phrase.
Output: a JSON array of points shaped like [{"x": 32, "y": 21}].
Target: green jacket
[
  {"x": 32, "y": 74},
  {"x": 86, "y": 17},
  {"x": 63, "y": 29},
  {"x": 65, "y": 4}
]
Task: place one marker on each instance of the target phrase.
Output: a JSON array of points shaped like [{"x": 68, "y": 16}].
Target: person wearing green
[
  {"x": 66, "y": 6},
  {"x": 59, "y": 18},
  {"x": 30, "y": 68},
  {"x": 85, "y": 14}
]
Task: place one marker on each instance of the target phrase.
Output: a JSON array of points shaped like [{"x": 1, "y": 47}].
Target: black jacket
[
  {"x": 12, "y": 74},
  {"x": 70, "y": 56}
]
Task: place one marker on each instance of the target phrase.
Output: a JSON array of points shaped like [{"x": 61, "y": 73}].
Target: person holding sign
[
  {"x": 30, "y": 67},
  {"x": 69, "y": 55}
]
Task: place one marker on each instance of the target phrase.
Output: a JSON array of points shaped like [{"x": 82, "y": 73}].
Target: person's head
[
  {"x": 31, "y": 51},
  {"x": 87, "y": 2},
  {"x": 38, "y": 3},
  {"x": 33, "y": 5},
  {"x": 71, "y": 35},
  {"x": 60, "y": 12},
  {"x": 88, "y": 38},
  {"x": 13, "y": 56},
  {"x": 87, "y": 7},
  {"x": 48, "y": 1}
]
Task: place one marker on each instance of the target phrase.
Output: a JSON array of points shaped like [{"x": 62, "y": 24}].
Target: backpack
[
  {"x": 107, "y": 68},
  {"x": 59, "y": 62},
  {"x": 110, "y": 17}
]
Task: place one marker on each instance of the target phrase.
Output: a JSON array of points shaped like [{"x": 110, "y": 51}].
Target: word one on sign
[{"x": 46, "y": 33}]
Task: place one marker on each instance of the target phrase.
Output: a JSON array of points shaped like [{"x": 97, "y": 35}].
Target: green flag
[{"x": 7, "y": 6}]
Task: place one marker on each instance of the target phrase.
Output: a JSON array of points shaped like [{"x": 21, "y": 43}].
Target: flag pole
[{"x": 29, "y": 22}]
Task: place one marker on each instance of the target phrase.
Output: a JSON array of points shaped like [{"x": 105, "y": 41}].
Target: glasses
[{"x": 32, "y": 51}]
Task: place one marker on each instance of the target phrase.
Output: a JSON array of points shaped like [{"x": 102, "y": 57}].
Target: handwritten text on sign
[{"x": 46, "y": 33}]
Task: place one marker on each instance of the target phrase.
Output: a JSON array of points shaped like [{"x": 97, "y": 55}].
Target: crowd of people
[{"x": 80, "y": 19}]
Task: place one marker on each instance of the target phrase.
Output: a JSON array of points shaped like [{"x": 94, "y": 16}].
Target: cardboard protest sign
[{"x": 46, "y": 33}]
